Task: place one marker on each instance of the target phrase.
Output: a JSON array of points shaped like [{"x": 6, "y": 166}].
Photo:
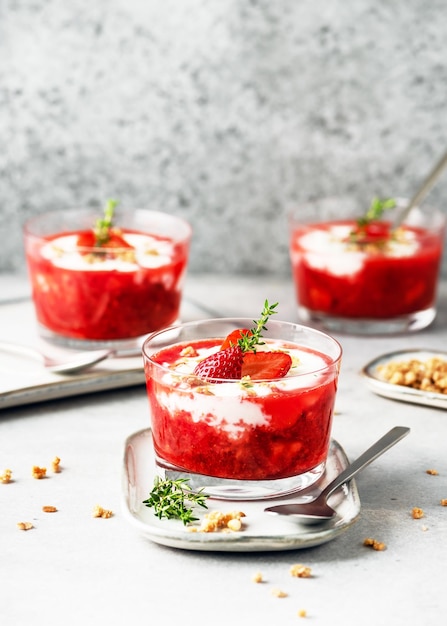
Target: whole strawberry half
[
  {"x": 225, "y": 364},
  {"x": 266, "y": 365}
]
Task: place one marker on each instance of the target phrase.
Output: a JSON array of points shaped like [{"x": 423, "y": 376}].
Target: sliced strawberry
[
  {"x": 86, "y": 239},
  {"x": 225, "y": 364},
  {"x": 373, "y": 232},
  {"x": 116, "y": 241},
  {"x": 233, "y": 337},
  {"x": 266, "y": 365}
]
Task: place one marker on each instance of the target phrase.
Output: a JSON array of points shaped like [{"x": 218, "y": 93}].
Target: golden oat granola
[
  {"x": 49, "y": 509},
  {"x": 5, "y": 476},
  {"x": 300, "y": 571},
  {"x": 417, "y": 513},
  {"x": 98, "y": 511},
  {"x": 444, "y": 502},
  {"x": 257, "y": 578},
  {"x": 218, "y": 521},
  {"x": 278, "y": 593},
  {"x": 432, "y": 472},
  {"x": 55, "y": 465},
  {"x": 39, "y": 472},
  {"x": 428, "y": 375},
  {"x": 302, "y": 613},
  {"x": 374, "y": 544},
  {"x": 24, "y": 525}
]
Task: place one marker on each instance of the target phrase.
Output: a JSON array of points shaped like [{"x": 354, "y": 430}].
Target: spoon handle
[
  {"x": 423, "y": 190},
  {"x": 382, "y": 445},
  {"x": 17, "y": 348}
]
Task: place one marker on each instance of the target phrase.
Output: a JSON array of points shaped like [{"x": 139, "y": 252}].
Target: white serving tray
[{"x": 261, "y": 532}]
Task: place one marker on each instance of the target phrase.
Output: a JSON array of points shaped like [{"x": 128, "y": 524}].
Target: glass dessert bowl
[
  {"x": 363, "y": 276},
  {"x": 257, "y": 434},
  {"x": 105, "y": 283}
]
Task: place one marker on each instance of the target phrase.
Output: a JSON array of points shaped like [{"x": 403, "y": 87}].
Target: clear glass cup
[
  {"x": 386, "y": 283},
  {"x": 92, "y": 297},
  {"x": 241, "y": 439}
]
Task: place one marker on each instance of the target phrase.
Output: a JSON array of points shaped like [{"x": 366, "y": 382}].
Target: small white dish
[
  {"x": 261, "y": 532},
  {"x": 379, "y": 385}
]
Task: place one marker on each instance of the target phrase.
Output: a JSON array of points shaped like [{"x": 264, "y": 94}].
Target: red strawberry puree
[{"x": 247, "y": 430}]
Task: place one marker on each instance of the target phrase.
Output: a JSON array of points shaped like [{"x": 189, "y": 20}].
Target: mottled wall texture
[{"x": 223, "y": 112}]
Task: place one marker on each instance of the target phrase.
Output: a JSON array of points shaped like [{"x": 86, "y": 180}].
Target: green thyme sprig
[
  {"x": 104, "y": 224},
  {"x": 376, "y": 210},
  {"x": 250, "y": 340},
  {"x": 172, "y": 499}
]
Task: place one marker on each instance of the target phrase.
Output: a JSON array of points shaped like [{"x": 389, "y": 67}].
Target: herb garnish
[
  {"x": 369, "y": 230},
  {"x": 249, "y": 341},
  {"x": 104, "y": 224},
  {"x": 169, "y": 499},
  {"x": 376, "y": 210}
]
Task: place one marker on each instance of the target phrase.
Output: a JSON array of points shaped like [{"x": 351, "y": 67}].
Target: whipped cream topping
[
  {"x": 150, "y": 252},
  {"x": 327, "y": 249}
]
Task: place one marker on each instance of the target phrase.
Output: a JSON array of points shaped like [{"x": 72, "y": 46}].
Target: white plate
[
  {"x": 399, "y": 392},
  {"x": 25, "y": 381},
  {"x": 261, "y": 531}
]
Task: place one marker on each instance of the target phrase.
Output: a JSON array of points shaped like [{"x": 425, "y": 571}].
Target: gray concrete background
[{"x": 224, "y": 113}]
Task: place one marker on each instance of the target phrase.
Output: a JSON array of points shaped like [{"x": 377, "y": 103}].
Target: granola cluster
[
  {"x": 428, "y": 375},
  {"x": 99, "y": 511},
  {"x": 6, "y": 476},
  {"x": 218, "y": 521},
  {"x": 369, "y": 542}
]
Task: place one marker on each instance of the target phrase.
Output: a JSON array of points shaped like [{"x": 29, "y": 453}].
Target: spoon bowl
[{"x": 318, "y": 510}]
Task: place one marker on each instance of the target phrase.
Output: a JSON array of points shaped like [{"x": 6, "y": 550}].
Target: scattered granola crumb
[
  {"x": 300, "y": 571},
  {"x": 257, "y": 578},
  {"x": 49, "y": 509},
  {"x": 417, "y": 513},
  {"x": 98, "y": 511},
  {"x": 302, "y": 613},
  {"x": 444, "y": 502},
  {"x": 424, "y": 528},
  {"x": 39, "y": 472},
  {"x": 5, "y": 477},
  {"x": 278, "y": 593},
  {"x": 55, "y": 465},
  {"x": 432, "y": 472},
  {"x": 374, "y": 544},
  {"x": 216, "y": 520},
  {"x": 24, "y": 525}
]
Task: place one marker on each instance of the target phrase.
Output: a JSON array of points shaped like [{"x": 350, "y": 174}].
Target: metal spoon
[
  {"x": 69, "y": 365},
  {"x": 423, "y": 189},
  {"x": 318, "y": 510}
]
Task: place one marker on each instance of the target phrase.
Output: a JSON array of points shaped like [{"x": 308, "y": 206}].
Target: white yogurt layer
[
  {"x": 229, "y": 406},
  {"x": 326, "y": 249},
  {"x": 150, "y": 252}
]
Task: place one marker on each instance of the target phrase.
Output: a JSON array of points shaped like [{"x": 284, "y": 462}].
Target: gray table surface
[{"x": 73, "y": 569}]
